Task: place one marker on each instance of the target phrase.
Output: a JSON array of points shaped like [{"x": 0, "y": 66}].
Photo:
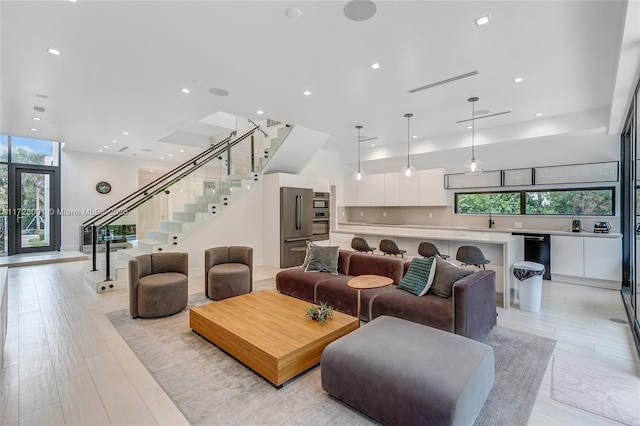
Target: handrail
[
  {"x": 261, "y": 131},
  {"x": 210, "y": 154},
  {"x": 162, "y": 188},
  {"x": 193, "y": 160}
]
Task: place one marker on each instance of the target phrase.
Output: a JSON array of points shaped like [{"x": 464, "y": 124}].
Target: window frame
[{"x": 523, "y": 201}]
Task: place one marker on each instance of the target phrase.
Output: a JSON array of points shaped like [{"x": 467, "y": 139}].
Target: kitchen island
[{"x": 501, "y": 248}]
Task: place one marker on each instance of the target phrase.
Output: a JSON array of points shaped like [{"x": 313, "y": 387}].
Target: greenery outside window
[
  {"x": 574, "y": 202},
  {"x": 595, "y": 202},
  {"x": 488, "y": 202}
]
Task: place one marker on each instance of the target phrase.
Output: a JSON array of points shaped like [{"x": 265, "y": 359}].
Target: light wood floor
[{"x": 65, "y": 364}]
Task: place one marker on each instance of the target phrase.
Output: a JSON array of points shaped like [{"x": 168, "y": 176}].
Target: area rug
[
  {"x": 211, "y": 387},
  {"x": 594, "y": 387}
]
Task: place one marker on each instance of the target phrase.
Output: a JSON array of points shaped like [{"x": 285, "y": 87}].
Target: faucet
[{"x": 491, "y": 222}]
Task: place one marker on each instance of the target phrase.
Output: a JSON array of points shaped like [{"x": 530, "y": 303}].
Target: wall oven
[
  {"x": 320, "y": 229},
  {"x": 321, "y": 216}
]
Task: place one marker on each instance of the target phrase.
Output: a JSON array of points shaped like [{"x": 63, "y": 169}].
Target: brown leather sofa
[{"x": 470, "y": 313}]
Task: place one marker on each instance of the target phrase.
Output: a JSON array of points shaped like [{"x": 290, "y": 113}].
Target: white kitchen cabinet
[
  {"x": 603, "y": 258},
  {"x": 351, "y": 192},
  {"x": 408, "y": 192},
  {"x": 371, "y": 191},
  {"x": 293, "y": 181},
  {"x": 431, "y": 188},
  {"x": 391, "y": 185},
  {"x": 567, "y": 255}
]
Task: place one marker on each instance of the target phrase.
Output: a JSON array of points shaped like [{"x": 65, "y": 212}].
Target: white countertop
[
  {"x": 436, "y": 234},
  {"x": 357, "y": 227}
]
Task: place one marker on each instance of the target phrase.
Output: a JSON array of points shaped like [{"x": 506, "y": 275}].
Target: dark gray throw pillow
[
  {"x": 323, "y": 259},
  {"x": 446, "y": 275}
]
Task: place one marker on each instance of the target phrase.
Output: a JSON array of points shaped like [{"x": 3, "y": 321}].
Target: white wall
[
  {"x": 327, "y": 164},
  {"x": 79, "y": 174},
  {"x": 239, "y": 224}
]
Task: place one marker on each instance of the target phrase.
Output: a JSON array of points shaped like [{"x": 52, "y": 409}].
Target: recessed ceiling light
[
  {"x": 469, "y": 127},
  {"x": 170, "y": 155},
  {"x": 483, "y": 20},
  {"x": 415, "y": 136},
  {"x": 73, "y": 1},
  {"x": 182, "y": 150},
  {"x": 375, "y": 66},
  {"x": 36, "y": 118},
  {"x": 114, "y": 140},
  {"x": 33, "y": 129},
  {"x": 54, "y": 51},
  {"x": 306, "y": 93},
  {"x": 99, "y": 150},
  {"x": 162, "y": 158},
  {"x": 518, "y": 80},
  {"x": 185, "y": 90},
  {"x": 125, "y": 133},
  {"x": 538, "y": 114},
  {"x": 260, "y": 112},
  {"x": 151, "y": 171},
  {"x": 373, "y": 144},
  {"x": 105, "y": 146}
]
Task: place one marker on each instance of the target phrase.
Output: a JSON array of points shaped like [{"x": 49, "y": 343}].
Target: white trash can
[{"x": 530, "y": 287}]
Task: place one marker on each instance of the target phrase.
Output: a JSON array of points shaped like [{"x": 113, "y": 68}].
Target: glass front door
[{"x": 34, "y": 220}]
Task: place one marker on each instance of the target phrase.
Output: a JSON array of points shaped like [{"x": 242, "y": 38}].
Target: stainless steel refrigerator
[{"x": 296, "y": 224}]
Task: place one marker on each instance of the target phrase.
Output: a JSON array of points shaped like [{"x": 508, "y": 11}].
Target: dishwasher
[{"x": 537, "y": 248}]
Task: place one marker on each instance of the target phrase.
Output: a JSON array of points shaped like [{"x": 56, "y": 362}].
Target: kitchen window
[{"x": 574, "y": 202}]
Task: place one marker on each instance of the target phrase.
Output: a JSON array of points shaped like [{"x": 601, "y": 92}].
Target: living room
[{"x": 68, "y": 363}]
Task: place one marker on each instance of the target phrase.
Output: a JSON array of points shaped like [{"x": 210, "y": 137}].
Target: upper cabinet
[
  {"x": 432, "y": 192},
  {"x": 389, "y": 189},
  {"x": 391, "y": 193}
]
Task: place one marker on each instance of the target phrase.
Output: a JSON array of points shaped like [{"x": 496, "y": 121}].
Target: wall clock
[{"x": 103, "y": 187}]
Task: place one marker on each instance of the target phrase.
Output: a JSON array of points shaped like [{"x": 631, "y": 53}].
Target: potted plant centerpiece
[{"x": 320, "y": 313}]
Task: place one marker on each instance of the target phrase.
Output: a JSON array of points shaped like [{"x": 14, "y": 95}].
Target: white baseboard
[{"x": 590, "y": 282}]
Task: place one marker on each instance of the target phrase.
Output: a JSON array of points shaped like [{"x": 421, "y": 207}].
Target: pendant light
[
  {"x": 358, "y": 175},
  {"x": 408, "y": 172},
  {"x": 473, "y": 167}
]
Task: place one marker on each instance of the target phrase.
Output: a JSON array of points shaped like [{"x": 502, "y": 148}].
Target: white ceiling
[{"x": 124, "y": 64}]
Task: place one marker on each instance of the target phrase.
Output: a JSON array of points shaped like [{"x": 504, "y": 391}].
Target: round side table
[{"x": 363, "y": 282}]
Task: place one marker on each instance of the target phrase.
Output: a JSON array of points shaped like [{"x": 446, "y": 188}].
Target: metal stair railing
[{"x": 142, "y": 195}]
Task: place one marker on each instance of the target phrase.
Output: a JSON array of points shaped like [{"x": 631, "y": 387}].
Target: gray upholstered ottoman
[{"x": 402, "y": 373}]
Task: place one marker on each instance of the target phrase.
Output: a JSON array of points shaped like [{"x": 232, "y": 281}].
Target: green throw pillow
[
  {"x": 419, "y": 277},
  {"x": 323, "y": 259},
  {"x": 446, "y": 275}
]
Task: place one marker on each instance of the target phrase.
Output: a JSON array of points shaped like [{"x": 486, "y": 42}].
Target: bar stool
[
  {"x": 391, "y": 248},
  {"x": 471, "y": 255},
  {"x": 427, "y": 249},
  {"x": 360, "y": 244}
]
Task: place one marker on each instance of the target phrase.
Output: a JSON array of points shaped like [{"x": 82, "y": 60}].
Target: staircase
[{"x": 179, "y": 207}]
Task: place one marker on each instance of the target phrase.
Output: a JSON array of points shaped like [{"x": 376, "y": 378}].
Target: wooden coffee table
[
  {"x": 269, "y": 332},
  {"x": 363, "y": 282}
]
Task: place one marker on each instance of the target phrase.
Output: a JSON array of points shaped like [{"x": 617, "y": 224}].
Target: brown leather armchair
[
  {"x": 158, "y": 284},
  {"x": 228, "y": 271}
]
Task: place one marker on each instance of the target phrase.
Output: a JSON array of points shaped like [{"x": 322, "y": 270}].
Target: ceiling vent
[
  {"x": 38, "y": 109},
  {"x": 484, "y": 116},
  {"x": 124, "y": 148},
  {"x": 448, "y": 80},
  {"x": 147, "y": 150}
]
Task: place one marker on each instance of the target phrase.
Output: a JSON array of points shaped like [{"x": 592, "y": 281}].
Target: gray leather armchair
[
  {"x": 228, "y": 271},
  {"x": 158, "y": 284}
]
